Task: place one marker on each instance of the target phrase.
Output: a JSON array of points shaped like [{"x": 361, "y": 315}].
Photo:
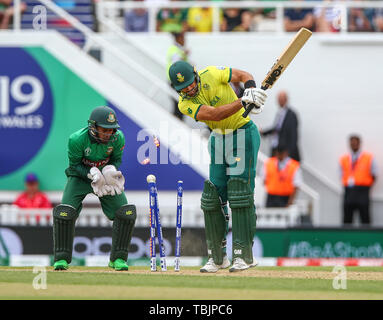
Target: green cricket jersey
[
  {"x": 215, "y": 91},
  {"x": 84, "y": 152}
]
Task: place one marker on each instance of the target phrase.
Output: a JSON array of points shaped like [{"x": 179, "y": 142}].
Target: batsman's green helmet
[
  {"x": 104, "y": 117},
  {"x": 181, "y": 74}
]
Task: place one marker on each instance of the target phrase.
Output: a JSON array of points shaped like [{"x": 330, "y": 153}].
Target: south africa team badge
[{"x": 180, "y": 77}]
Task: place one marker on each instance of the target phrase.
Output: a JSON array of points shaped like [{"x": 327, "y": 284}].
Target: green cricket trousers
[
  {"x": 234, "y": 155},
  {"x": 76, "y": 189}
]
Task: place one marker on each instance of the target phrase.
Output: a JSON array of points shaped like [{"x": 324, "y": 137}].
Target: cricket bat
[{"x": 282, "y": 62}]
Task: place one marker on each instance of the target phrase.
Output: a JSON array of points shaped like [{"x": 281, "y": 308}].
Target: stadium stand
[{"x": 83, "y": 10}]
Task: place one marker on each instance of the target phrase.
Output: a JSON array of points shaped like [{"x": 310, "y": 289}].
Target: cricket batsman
[
  {"x": 233, "y": 146},
  {"x": 95, "y": 154}
]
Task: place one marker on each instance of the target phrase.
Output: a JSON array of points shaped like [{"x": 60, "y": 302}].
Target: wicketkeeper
[
  {"x": 95, "y": 154},
  {"x": 233, "y": 146}
]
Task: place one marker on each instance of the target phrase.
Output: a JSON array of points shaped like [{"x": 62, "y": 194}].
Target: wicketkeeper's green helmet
[
  {"x": 182, "y": 75},
  {"x": 104, "y": 117}
]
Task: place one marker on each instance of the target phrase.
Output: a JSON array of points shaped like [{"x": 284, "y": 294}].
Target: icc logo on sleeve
[{"x": 26, "y": 108}]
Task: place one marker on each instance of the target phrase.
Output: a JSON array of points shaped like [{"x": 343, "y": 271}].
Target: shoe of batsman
[
  {"x": 95, "y": 155},
  {"x": 211, "y": 267},
  {"x": 239, "y": 265}
]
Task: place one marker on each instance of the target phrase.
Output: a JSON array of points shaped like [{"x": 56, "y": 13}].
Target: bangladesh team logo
[{"x": 111, "y": 118}]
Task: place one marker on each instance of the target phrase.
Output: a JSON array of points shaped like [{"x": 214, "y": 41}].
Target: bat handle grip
[
  {"x": 248, "y": 109},
  {"x": 251, "y": 106}
]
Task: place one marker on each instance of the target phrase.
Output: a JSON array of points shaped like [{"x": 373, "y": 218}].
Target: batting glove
[{"x": 254, "y": 96}]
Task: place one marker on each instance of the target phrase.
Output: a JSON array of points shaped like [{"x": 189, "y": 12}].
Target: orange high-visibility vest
[
  {"x": 280, "y": 182},
  {"x": 360, "y": 171}
]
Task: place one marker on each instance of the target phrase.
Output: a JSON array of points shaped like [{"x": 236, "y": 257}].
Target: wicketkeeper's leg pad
[
  {"x": 241, "y": 201},
  {"x": 122, "y": 230},
  {"x": 64, "y": 218},
  {"x": 215, "y": 222}
]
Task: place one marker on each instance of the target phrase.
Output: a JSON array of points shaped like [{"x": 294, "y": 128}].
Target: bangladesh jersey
[
  {"x": 84, "y": 152},
  {"x": 215, "y": 91}
]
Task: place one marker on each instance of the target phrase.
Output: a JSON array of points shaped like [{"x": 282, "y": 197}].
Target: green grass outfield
[{"x": 139, "y": 283}]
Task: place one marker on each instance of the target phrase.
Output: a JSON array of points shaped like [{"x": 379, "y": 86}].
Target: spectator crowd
[{"x": 201, "y": 19}]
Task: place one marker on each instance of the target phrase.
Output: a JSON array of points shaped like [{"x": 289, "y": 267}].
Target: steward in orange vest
[
  {"x": 358, "y": 170},
  {"x": 282, "y": 177}
]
